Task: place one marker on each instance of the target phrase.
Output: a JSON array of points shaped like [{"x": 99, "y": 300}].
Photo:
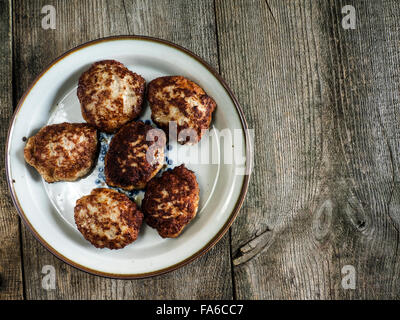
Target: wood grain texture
[
  {"x": 11, "y": 282},
  {"x": 324, "y": 103},
  {"x": 80, "y": 21}
]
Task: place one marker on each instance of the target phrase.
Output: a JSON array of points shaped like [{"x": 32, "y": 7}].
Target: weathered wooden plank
[
  {"x": 324, "y": 103},
  {"x": 80, "y": 21},
  {"x": 11, "y": 282}
]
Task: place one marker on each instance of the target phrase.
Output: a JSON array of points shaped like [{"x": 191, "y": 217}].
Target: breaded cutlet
[
  {"x": 178, "y": 99},
  {"x": 171, "y": 201},
  {"x": 110, "y": 95},
  {"x": 133, "y": 158},
  {"x": 63, "y": 152},
  {"x": 108, "y": 219}
]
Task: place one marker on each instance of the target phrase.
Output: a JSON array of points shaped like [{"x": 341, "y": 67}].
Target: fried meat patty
[
  {"x": 176, "y": 98},
  {"x": 171, "y": 201},
  {"x": 62, "y": 152},
  {"x": 110, "y": 95},
  {"x": 108, "y": 219},
  {"x": 135, "y": 155}
]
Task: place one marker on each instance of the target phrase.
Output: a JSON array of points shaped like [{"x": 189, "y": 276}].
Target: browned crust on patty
[
  {"x": 108, "y": 219},
  {"x": 63, "y": 152},
  {"x": 176, "y": 98},
  {"x": 126, "y": 165},
  {"x": 171, "y": 201},
  {"x": 110, "y": 95}
]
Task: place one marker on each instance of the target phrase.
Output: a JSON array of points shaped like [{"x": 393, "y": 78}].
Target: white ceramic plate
[{"x": 47, "y": 209}]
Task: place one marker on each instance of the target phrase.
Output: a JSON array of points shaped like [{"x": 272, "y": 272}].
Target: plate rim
[{"x": 209, "y": 244}]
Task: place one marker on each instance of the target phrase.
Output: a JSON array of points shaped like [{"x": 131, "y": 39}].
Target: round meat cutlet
[
  {"x": 135, "y": 155},
  {"x": 110, "y": 95},
  {"x": 177, "y": 99},
  {"x": 62, "y": 152},
  {"x": 108, "y": 219},
  {"x": 171, "y": 201}
]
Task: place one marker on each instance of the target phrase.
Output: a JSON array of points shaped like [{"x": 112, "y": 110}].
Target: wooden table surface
[{"x": 324, "y": 104}]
